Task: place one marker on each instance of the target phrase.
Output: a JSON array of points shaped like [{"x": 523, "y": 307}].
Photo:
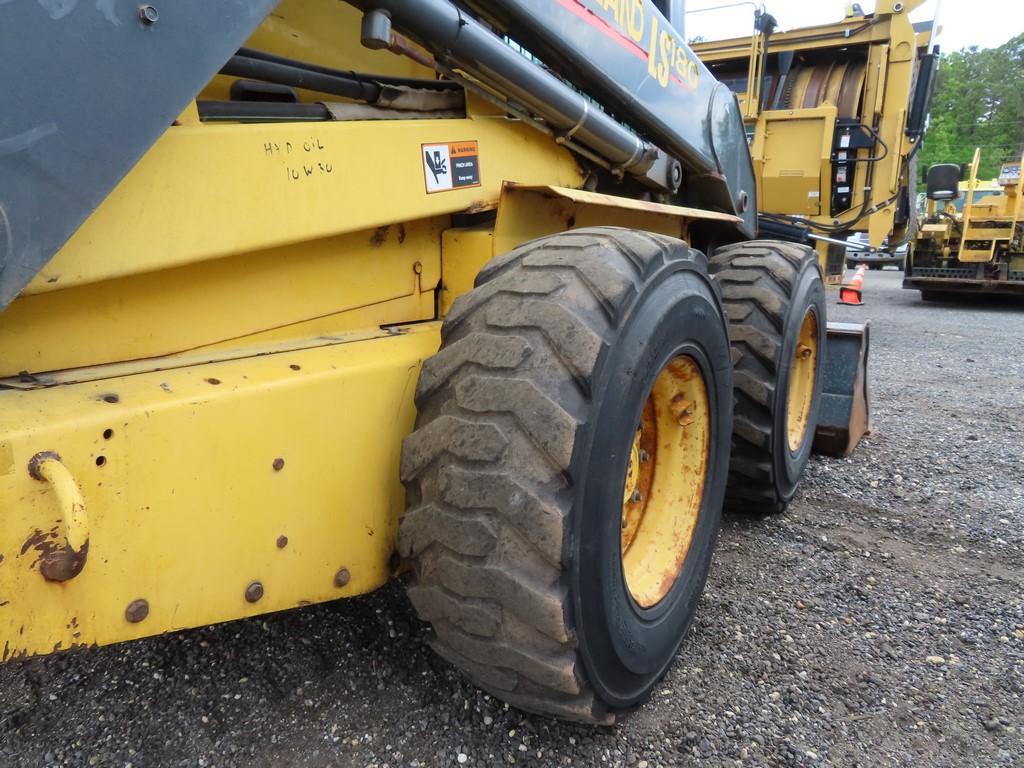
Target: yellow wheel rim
[
  {"x": 802, "y": 375},
  {"x": 664, "y": 483}
]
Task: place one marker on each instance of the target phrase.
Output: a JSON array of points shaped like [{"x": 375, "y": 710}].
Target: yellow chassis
[{"x": 205, "y": 392}]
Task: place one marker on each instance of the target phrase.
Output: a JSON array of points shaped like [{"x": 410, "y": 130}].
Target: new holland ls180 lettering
[{"x": 297, "y": 293}]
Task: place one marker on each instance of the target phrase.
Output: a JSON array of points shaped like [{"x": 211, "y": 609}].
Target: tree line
[{"x": 978, "y": 102}]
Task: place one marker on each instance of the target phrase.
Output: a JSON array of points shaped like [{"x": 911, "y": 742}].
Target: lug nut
[
  {"x": 148, "y": 15},
  {"x": 253, "y": 592},
  {"x": 644, "y": 456},
  {"x": 683, "y": 410},
  {"x": 342, "y": 577},
  {"x": 635, "y": 497},
  {"x": 136, "y": 611}
]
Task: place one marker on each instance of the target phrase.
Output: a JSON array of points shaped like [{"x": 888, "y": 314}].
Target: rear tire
[
  {"x": 769, "y": 289},
  {"x": 515, "y": 471}
]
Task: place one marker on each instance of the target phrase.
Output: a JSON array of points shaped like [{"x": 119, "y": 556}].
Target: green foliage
[{"x": 979, "y": 102}]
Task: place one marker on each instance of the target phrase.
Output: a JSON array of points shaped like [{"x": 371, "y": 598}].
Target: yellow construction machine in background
[
  {"x": 835, "y": 115},
  {"x": 972, "y": 237}
]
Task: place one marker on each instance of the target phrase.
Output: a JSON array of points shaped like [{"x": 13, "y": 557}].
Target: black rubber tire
[
  {"x": 767, "y": 287},
  {"x": 514, "y": 473}
]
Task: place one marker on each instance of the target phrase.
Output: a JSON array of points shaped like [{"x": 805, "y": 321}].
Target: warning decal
[{"x": 451, "y": 166}]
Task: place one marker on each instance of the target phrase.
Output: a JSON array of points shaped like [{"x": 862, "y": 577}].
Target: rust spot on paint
[
  {"x": 401, "y": 233},
  {"x": 282, "y": 542},
  {"x": 479, "y": 206},
  {"x": 295, "y": 367},
  {"x": 35, "y": 541},
  {"x": 342, "y": 577},
  {"x": 380, "y": 236},
  {"x": 278, "y": 464},
  {"x": 36, "y": 461},
  {"x": 110, "y": 397},
  {"x": 63, "y": 563},
  {"x": 213, "y": 381}
]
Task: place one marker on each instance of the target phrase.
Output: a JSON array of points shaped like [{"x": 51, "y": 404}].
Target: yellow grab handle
[{"x": 60, "y": 563}]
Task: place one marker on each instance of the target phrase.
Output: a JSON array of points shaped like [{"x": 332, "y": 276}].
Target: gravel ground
[{"x": 879, "y": 621}]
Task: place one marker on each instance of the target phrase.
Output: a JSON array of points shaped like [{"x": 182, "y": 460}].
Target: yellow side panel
[
  {"x": 280, "y": 469},
  {"x": 793, "y": 180},
  {"x": 208, "y": 191},
  {"x": 326, "y": 285},
  {"x": 463, "y": 253},
  {"x": 219, "y": 235}
]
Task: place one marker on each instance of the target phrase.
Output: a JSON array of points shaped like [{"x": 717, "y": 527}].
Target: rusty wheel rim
[
  {"x": 664, "y": 483},
  {"x": 802, "y": 375}
]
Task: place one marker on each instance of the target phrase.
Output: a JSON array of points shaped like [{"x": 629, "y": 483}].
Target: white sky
[{"x": 985, "y": 23}]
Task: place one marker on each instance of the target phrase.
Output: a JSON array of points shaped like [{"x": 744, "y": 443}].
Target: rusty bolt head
[
  {"x": 136, "y": 611},
  {"x": 643, "y": 456},
  {"x": 342, "y": 577},
  {"x": 278, "y": 464},
  {"x": 253, "y": 592},
  {"x": 635, "y": 497},
  {"x": 148, "y": 15},
  {"x": 417, "y": 268},
  {"x": 683, "y": 410},
  {"x": 282, "y": 542}
]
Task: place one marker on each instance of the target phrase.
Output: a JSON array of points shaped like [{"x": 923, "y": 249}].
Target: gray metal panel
[{"x": 88, "y": 87}]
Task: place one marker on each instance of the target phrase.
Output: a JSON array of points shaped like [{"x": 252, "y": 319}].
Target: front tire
[
  {"x": 775, "y": 300},
  {"x": 530, "y": 418}
]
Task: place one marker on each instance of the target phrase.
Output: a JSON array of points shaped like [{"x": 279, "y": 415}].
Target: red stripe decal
[{"x": 577, "y": 8}]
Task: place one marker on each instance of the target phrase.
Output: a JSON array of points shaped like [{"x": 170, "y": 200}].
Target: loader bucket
[{"x": 844, "y": 416}]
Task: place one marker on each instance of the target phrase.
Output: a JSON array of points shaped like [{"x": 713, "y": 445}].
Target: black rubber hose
[
  {"x": 299, "y": 77},
  {"x": 414, "y": 82}
]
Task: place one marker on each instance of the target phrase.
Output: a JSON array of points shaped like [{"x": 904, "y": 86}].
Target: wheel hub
[
  {"x": 802, "y": 374},
  {"x": 664, "y": 483}
]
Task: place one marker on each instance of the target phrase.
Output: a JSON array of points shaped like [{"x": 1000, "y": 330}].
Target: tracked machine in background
[
  {"x": 294, "y": 293},
  {"x": 969, "y": 246},
  {"x": 835, "y": 115}
]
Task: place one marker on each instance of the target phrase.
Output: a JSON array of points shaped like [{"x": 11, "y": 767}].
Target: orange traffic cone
[{"x": 852, "y": 292}]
